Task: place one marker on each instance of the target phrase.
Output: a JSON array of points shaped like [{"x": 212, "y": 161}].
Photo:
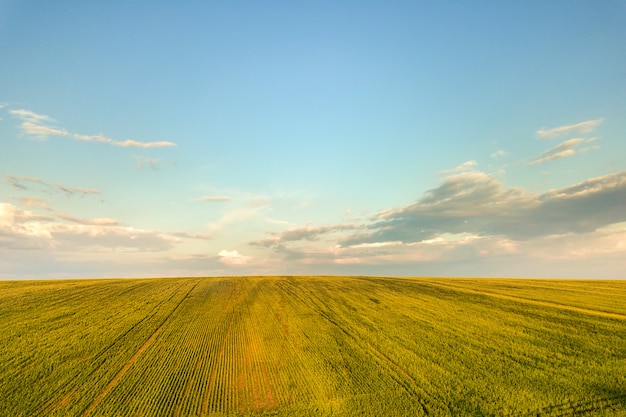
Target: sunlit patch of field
[{"x": 319, "y": 346}]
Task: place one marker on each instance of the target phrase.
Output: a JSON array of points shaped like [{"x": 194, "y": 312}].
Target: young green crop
[{"x": 312, "y": 346}]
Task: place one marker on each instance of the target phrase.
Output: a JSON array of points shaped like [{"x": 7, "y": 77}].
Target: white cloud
[
  {"x": 128, "y": 143},
  {"x": 31, "y": 116},
  {"x": 35, "y": 124},
  {"x": 42, "y": 131},
  {"x": 376, "y": 245},
  {"x": 38, "y": 125},
  {"x": 582, "y": 127},
  {"x": 22, "y": 224},
  {"x": 19, "y": 226},
  {"x": 65, "y": 233},
  {"x": 233, "y": 257},
  {"x": 606, "y": 241}
]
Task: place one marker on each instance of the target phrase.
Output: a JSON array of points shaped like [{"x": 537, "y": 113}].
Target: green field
[{"x": 318, "y": 346}]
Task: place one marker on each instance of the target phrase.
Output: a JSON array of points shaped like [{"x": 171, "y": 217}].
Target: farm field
[{"x": 312, "y": 346}]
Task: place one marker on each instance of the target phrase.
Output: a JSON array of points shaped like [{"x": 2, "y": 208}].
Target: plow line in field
[
  {"x": 397, "y": 373},
  {"x": 65, "y": 392},
  {"x": 133, "y": 359},
  {"x": 572, "y": 408},
  {"x": 531, "y": 301}
]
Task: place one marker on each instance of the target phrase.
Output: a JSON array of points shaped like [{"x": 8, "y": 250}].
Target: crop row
[{"x": 310, "y": 346}]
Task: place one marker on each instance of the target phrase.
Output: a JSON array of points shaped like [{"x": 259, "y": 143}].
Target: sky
[{"x": 396, "y": 138}]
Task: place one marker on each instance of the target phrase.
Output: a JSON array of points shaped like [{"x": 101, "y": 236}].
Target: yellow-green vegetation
[{"x": 312, "y": 346}]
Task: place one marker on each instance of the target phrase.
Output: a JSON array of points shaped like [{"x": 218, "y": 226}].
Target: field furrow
[{"x": 132, "y": 360}]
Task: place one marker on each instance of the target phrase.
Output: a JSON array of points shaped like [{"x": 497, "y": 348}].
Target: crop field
[{"x": 312, "y": 346}]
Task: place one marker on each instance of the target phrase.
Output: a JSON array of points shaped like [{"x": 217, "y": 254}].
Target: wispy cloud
[
  {"x": 212, "y": 198},
  {"x": 582, "y": 127},
  {"x": 70, "y": 191},
  {"x": 42, "y": 131},
  {"x": 563, "y": 150},
  {"x": 307, "y": 233},
  {"x": 26, "y": 183},
  {"x": 89, "y": 222},
  {"x": 499, "y": 154},
  {"x": 39, "y": 125},
  {"x": 33, "y": 202},
  {"x": 448, "y": 247},
  {"x": 30, "y": 116},
  {"x": 465, "y": 166},
  {"x": 187, "y": 235},
  {"x": 254, "y": 209},
  {"x": 142, "y": 161}
]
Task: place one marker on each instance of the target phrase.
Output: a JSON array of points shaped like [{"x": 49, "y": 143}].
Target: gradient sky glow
[{"x": 151, "y": 138}]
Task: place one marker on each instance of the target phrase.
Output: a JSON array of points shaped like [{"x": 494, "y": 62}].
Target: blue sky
[{"x": 381, "y": 138}]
